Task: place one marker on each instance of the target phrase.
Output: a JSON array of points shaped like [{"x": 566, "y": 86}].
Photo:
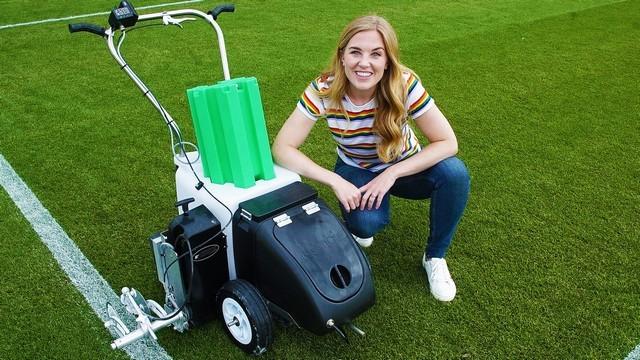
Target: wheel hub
[{"x": 237, "y": 321}]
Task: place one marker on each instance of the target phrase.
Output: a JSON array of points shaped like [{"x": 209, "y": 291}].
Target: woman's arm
[
  {"x": 442, "y": 144},
  {"x": 285, "y": 151}
]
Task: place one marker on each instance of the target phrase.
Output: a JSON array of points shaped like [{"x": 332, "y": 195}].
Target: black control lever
[
  {"x": 184, "y": 203},
  {"x": 94, "y": 29},
  {"x": 220, "y": 9}
]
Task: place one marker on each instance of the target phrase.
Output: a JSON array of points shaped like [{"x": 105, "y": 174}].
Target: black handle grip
[
  {"x": 184, "y": 203},
  {"x": 94, "y": 29},
  {"x": 220, "y": 9}
]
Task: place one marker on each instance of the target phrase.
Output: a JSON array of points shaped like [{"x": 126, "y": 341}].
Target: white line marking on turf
[
  {"x": 634, "y": 354},
  {"x": 83, "y": 275},
  {"x": 90, "y": 15}
]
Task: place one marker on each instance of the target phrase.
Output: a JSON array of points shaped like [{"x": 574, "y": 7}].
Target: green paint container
[{"x": 231, "y": 132}]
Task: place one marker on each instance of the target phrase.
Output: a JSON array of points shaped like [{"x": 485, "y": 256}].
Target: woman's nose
[{"x": 364, "y": 62}]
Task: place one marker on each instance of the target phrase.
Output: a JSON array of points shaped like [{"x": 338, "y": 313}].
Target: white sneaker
[
  {"x": 440, "y": 282},
  {"x": 366, "y": 242}
]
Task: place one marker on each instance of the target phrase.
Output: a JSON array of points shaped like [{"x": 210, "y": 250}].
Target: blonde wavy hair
[{"x": 390, "y": 93}]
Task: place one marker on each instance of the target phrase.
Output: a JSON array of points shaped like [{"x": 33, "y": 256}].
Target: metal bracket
[
  {"x": 168, "y": 20},
  {"x": 282, "y": 220},
  {"x": 311, "y": 208},
  {"x": 142, "y": 309},
  {"x": 245, "y": 214}
]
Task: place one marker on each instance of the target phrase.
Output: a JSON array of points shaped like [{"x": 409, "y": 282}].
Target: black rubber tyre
[{"x": 245, "y": 316}]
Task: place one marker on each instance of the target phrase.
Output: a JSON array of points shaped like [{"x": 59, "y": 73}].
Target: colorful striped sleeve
[
  {"x": 418, "y": 99},
  {"x": 310, "y": 103}
]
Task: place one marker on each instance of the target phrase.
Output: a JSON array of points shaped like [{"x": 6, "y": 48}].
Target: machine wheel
[{"x": 245, "y": 315}]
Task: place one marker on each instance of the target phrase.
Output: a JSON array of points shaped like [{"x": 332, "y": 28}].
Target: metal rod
[
  {"x": 356, "y": 329},
  {"x": 142, "y": 332}
]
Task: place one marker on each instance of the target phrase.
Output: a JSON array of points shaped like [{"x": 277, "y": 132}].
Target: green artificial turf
[
  {"x": 543, "y": 97},
  {"x": 43, "y": 315}
]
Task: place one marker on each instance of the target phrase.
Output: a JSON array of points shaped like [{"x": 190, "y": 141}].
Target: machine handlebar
[
  {"x": 220, "y": 9},
  {"x": 94, "y": 29}
]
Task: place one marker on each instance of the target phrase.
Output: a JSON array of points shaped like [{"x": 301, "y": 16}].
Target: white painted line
[
  {"x": 94, "y": 14},
  {"x": 635, "y": 354},
  {"x": 83, "y": 275}
]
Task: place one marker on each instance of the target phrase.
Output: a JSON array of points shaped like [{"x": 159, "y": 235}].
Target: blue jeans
[{"x": 446, "y": 183}]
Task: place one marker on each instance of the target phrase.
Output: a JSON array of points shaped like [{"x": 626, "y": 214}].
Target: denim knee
[
  {"x": 366, "y": 223},
  {"x": 453, "y": 172}
]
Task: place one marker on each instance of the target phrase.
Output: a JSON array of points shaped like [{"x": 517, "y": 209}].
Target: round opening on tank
[{"x": 340, "y": 276}]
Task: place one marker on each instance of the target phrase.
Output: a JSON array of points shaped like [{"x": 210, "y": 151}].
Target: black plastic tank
[
  {"x": 294, "y": 249},
  {"x": 201, "y": 229}
]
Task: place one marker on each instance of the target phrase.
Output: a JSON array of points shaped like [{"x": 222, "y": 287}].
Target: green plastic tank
[{"x": 231, "y": 133}]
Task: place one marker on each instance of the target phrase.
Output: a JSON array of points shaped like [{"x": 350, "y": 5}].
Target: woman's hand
[
  {"x": 375, "y": 190},
  {"x": 347, "y": 193}
]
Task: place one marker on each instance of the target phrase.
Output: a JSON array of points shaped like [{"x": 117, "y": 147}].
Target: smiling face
[{"x": 364, "y": 60}]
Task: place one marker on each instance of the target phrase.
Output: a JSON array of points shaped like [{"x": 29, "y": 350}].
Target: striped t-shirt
[{"x": 355, "y": 138}]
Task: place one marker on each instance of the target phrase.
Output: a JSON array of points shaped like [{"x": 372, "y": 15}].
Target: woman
[{"x": 368, "y": 99}]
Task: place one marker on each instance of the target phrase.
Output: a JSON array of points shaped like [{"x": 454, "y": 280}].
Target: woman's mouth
[{"x": 364, "y": 74}]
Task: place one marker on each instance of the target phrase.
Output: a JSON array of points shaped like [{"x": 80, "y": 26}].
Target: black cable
[
  {"x": 200, "y": 182},
  {"x": 143, "y": 26}
]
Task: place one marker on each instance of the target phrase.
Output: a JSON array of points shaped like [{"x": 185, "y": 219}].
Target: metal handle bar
[
  {"x": 126, "y": 19},
  {"x": 110, "y": 34},
  {"x": 209, "y": 18}
]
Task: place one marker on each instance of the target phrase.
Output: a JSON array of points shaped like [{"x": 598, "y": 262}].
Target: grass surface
[
  {"x": 543, "y": 97},
  {"x": 43, "y": 314}
]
